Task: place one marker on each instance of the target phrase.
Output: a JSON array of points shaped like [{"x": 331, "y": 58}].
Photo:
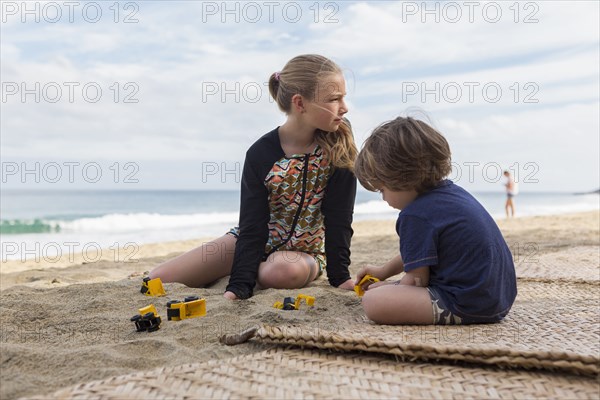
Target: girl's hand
[
  {"x": 230, "y": 296},
  {"x": 348, "y": 285}
]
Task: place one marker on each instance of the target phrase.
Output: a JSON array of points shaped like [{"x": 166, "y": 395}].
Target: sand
[{"x": 63, "y": 323}]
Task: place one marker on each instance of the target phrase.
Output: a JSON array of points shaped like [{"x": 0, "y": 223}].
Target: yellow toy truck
[
  {"x": 191, "y": 307},
  {"x": 289, "y": 303},
  {"x": 152, "y": 287},
  {"x": 147, "y": 320},
  {"x": 360, "y": 288}
]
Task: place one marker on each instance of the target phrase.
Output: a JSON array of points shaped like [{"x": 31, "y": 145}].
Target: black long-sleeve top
[{"x": 300, "y": 203}]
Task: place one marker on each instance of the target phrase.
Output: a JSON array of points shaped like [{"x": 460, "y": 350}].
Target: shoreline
[
  {"x": 123, "y": 237},
  {"x": 116, "y": 264},
  {"x": 129, "y": 258}
]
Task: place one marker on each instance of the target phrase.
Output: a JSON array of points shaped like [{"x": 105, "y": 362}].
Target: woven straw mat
[
  {"x": 553, "y": 326},
  {"x": 574, "y": 264},
  {"x": 295, "y": 373}
]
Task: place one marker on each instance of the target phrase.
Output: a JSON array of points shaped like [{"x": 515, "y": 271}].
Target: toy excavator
[
  {"x": 360, "y": 288},
  {"x": 147, "y": 320},
  {"x": 191, "y": 307},
  {"x": 152, "y": 287},
  {"x": 289, "y": 303}
]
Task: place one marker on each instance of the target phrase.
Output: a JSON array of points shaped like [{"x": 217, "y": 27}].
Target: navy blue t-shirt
[{"x": 471, "y": 266}]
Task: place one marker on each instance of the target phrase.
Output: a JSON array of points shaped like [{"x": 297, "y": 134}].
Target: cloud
[{"x": 200, "y": 84}]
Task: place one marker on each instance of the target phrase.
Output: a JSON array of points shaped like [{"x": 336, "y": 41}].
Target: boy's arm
[
  {"x": 390, "y": 268},
  {"x": 393, "y": 267},
  {"x": 419, "y": 245},
  {"x": 416, "y": 277}
]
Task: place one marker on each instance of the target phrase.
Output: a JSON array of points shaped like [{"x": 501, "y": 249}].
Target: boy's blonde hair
[
  {"x": 302, "y": 75},
  {"x": 403, "y": 154}
]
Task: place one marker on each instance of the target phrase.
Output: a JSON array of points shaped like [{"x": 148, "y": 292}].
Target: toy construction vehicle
[
  {"x": 147, "y": 320},
  {"x": 152, "y": 287},
  {"x": 289, "y": 303},
  {"x": 191, "y": 307},
  {"x": 360, "y": 288}
]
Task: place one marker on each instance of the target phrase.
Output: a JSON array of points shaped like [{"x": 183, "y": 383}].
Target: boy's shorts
[{"x": 441, "y": 313}]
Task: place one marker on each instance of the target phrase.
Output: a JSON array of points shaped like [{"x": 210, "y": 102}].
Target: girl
[{"x": 297, "y": 194}]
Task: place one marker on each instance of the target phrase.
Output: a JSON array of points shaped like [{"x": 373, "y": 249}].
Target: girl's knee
[{"x": 282, "y": 275}]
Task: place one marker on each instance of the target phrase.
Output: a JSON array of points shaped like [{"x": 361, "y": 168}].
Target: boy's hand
[
  {"x": 348, "y": 285},
  {"x": 373, "y": 270},
  {"x": 230, "y": 295}
]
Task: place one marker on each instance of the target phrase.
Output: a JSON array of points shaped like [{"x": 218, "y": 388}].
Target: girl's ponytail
[{"x": 274, "y": 85}]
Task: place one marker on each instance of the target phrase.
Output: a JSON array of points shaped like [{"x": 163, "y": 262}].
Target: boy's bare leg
[
  {"x": 200, "y": 266},
  {"x": 398, "y": 304}
]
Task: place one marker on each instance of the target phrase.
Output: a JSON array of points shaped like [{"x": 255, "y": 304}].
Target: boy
[{"x": 459, "y": 269}]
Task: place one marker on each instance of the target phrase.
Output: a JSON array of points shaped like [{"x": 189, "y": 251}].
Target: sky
[{"x": 170, "y": 94}]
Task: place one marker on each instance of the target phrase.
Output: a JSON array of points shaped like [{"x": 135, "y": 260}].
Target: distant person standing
[{"x": 511, "y": 191}]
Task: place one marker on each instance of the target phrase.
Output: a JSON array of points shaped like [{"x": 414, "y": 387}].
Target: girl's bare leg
[
  {"x": 287, "y": 270},
  {"x": 398, "y": 304},
  {"x": 200, "y": 266}
]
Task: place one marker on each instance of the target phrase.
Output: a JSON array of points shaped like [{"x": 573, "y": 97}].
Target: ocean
[{"x": 45, "y": 224}]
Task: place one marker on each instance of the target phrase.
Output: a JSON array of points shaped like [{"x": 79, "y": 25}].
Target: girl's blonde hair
[
  {"x": 302, "y": 75},
  {"x": 403, "y": 154}
]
